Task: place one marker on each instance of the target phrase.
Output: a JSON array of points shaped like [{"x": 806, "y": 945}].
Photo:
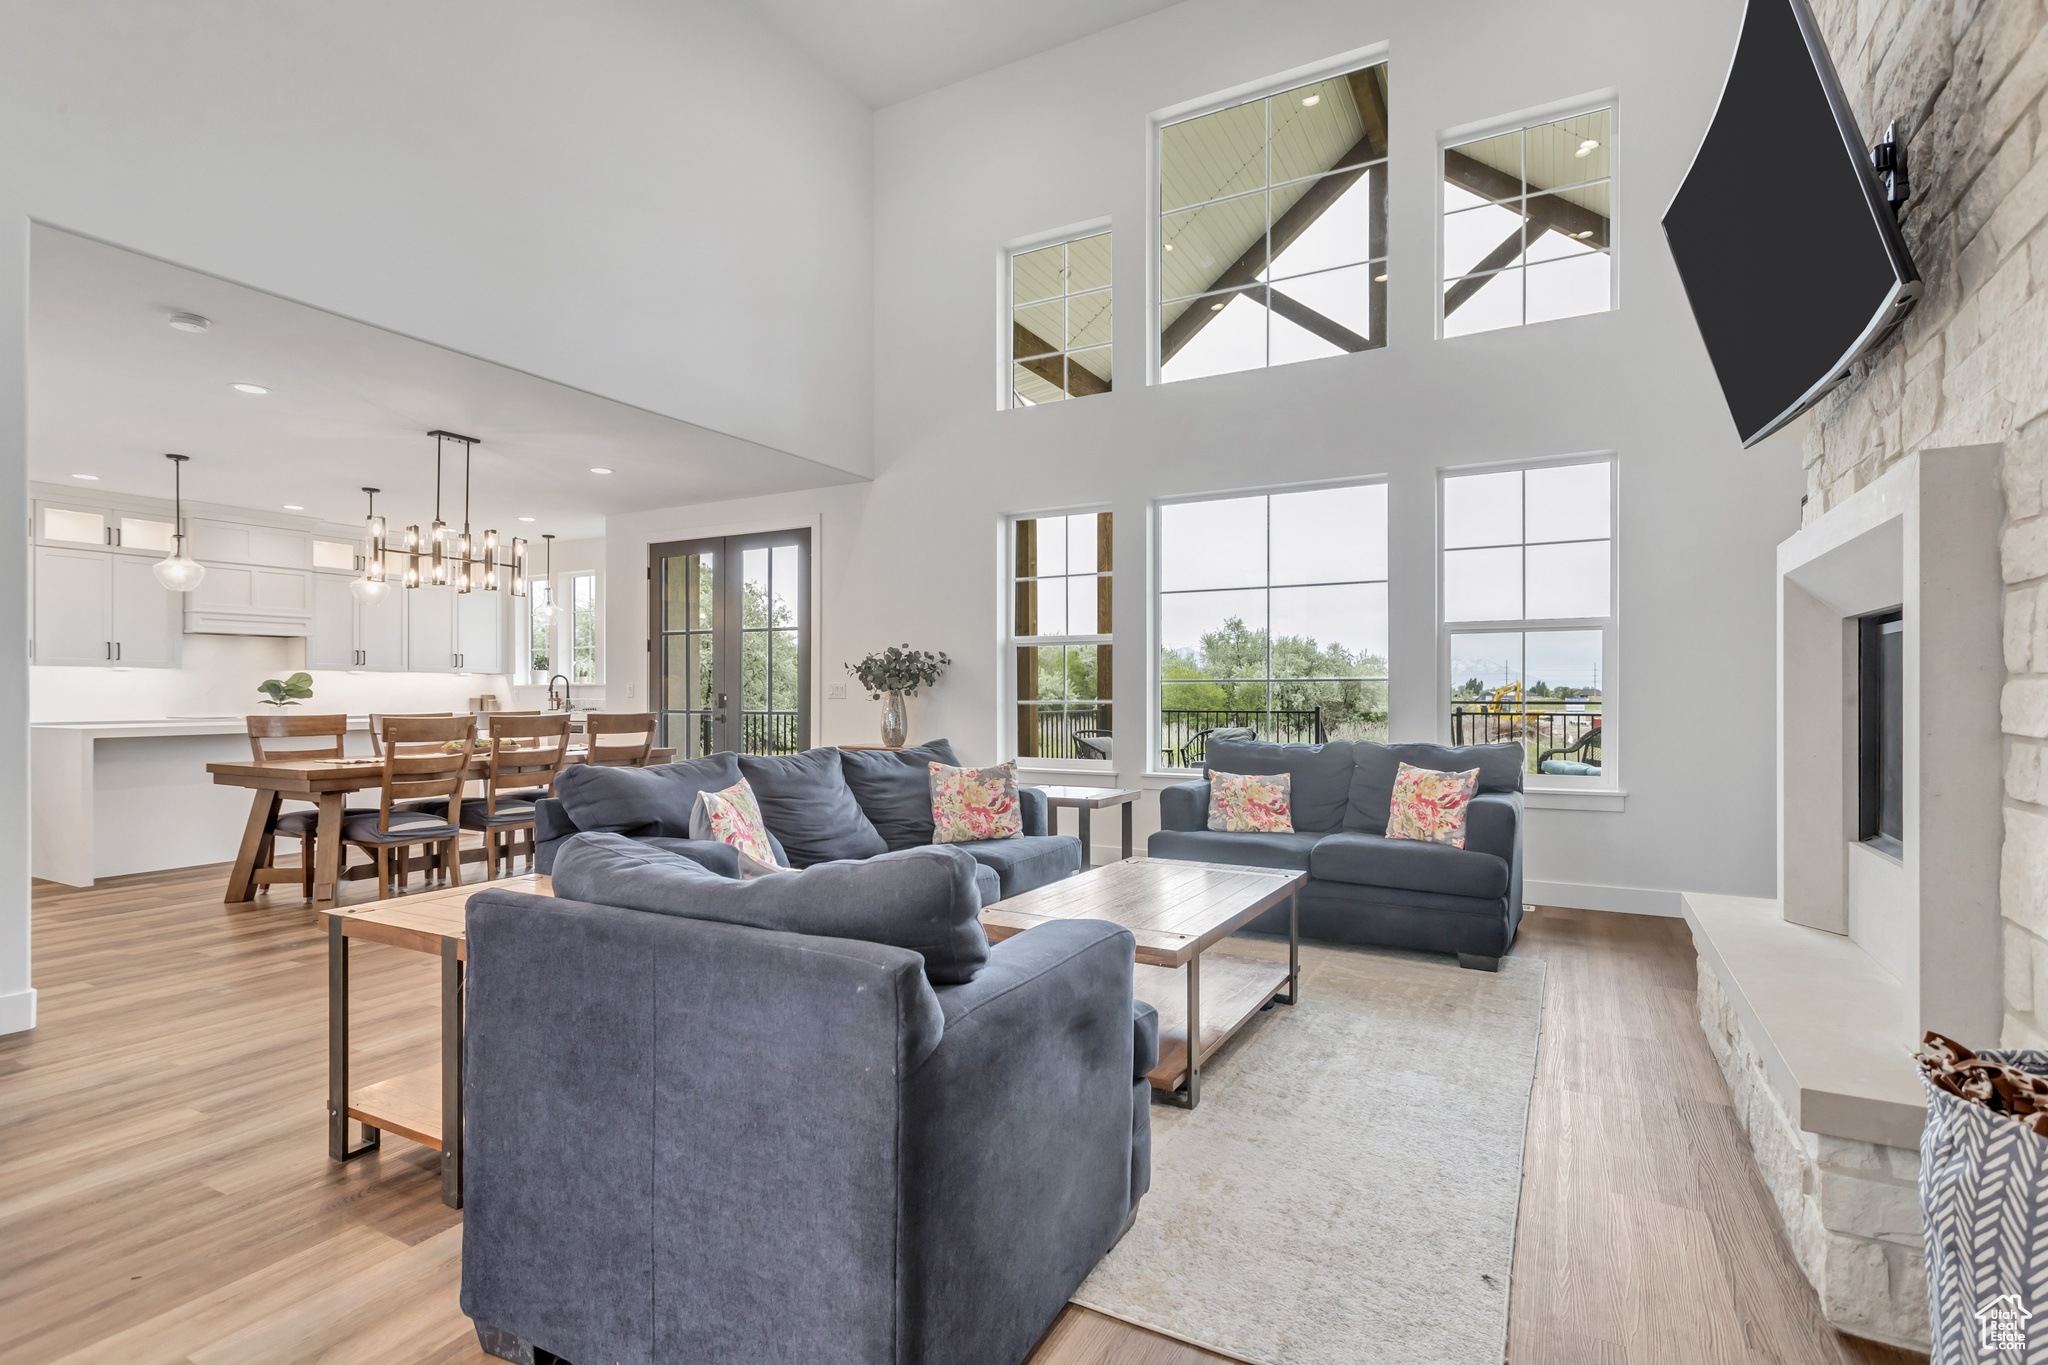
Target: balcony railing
[
  {"x": 1184, "y": 735},
  {"x": 770, "y": 732},
  {"x": 1543, "y": 725},
  {"x": 1068, "y": 732}
]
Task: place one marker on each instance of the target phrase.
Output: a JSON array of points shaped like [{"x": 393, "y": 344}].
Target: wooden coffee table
[{"x": 1178, "y": 911}]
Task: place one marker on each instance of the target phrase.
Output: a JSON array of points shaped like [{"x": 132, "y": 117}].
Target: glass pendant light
[
  {"x": 371, "y": 588},
  {"x": 544, "y": 606},
  {"x": 178, "y": 571}
]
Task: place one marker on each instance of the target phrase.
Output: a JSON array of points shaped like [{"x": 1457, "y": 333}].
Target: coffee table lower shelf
[
  {"x": 1233, "y": 990},
  {"x": 408, "y": 1105}
]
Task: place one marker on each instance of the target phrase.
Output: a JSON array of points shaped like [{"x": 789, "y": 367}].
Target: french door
[{"x": 732, "y": 653}]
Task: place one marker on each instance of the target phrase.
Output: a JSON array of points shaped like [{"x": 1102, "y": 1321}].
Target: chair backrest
[
  {"x": 543, "y": 747},
  {"x": 377, "y": 725},
  {"x": 270, "y": 727},
  {"x": 631, "y": 752},
  {"x": 417, "y": 763}
]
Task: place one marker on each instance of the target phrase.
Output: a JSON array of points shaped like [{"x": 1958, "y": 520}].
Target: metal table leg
[
  {"x": 1129, "y": 807},
  {"x": 1190, "y": 1092},
  {"x": 337, "y": 1050},
  {"x": 1087, "y": 845},
  {"x": 451, "y": 1074},
  {"x": 1293, "y": 995}
]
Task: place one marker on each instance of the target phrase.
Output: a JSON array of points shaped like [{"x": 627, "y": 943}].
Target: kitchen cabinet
[
  {"x": 331, "y": 635},
  {"x": 80, "y": 524},
  {"x": 452, "y": 632},
  {"x": 430, "y": 629},
  {"x": 480, "y": 632},
  {"x": 96, "y": 607},
  {"x": 248, "y": 599},
  {"x": 381, "y": 631}
]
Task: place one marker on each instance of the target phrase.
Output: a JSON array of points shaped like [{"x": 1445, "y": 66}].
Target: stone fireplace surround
[{"x": 1812, "y": 1001}]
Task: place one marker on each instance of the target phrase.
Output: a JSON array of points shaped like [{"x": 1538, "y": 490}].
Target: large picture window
[
  {"x": 1060, "y": 321},
  {"x": 1528, "y": 603},
  {"x": 1062, "y": 574},
  {"x": 1528, "y": 230},
  {"x": 565, "y": 641},
  {"x": 1272, "y": 618},
  {"x": 1273, "y": 229}
]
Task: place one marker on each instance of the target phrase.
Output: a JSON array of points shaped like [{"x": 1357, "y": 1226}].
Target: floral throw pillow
[
  {"x": 1251, "y": 805},
  {"x": 975, "y": 803},
  {"x": 733, "y": 817},
  {"x": 1430, "y": 805}
]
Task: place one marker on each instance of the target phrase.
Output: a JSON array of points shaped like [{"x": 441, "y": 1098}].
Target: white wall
[
  {"x": 660, "y": 201},
  {"x": 1061, "y": 139}
]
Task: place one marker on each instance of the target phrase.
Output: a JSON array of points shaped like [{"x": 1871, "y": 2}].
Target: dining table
[{"x": 327, "y": 783}]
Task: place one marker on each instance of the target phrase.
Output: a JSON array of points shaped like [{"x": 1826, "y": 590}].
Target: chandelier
[{"x": 445, "y": 557}]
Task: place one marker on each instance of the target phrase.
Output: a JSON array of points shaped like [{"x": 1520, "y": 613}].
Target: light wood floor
[{"x": 166, "y": 1198}]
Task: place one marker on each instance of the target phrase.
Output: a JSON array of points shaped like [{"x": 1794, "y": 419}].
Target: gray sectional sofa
[
  {"x": 822, "y": 805},
  {"x": 812, "y": 1118},
  {"x": 1364, "y": 887}
]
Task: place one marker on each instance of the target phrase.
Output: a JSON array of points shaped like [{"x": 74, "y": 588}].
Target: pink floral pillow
[
  {"x": 975, "y": 803},
  {"x": 733, "y": 817},
  {"x": 1430, "y": 805},
  {"x": 1251, "y": 805}
]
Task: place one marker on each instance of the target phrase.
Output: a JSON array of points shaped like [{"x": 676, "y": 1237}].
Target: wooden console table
[{"x": 424, "y": 1105}]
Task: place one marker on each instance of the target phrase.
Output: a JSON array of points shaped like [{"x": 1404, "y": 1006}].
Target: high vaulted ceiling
[{"x": 889, "y": 50}]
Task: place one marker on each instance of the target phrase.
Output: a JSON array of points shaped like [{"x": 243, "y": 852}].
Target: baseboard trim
[
  {"x": 18, "y": 1011},
  {"x": 1618, "y": 900}
]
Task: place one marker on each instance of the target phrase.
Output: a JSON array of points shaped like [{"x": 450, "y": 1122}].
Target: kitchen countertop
[{"x": 167, "y": 726}]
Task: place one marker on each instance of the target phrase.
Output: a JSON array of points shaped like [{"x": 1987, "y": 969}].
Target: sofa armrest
[
  {"x": 1493, "y": 824},
  {"x": 1144, "y": 1039},
  {"x": 550, "y": 821},
  {"x": 723, "y": 859},
  {"x": 1031, "y": 805},
  {"x": 1184, "y": 806}
]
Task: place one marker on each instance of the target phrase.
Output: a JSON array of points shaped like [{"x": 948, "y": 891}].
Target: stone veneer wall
[
  {"x": 1965, "y": 80},
  {"x": 1851, "y": 1209}
]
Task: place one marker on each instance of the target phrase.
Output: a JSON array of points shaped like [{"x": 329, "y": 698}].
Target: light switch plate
[{"x": 836, "y": 692}]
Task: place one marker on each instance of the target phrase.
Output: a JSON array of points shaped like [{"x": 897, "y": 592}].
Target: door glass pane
[
  {"x": 1483, "y": 585},
  {"x": 754, "y": 589},
  {"x": 784, "y": 676},
  {"x": 754, "y": 670},
  {"x": 704, "y": 677},
  {"x": 782, "y": 577},
  {"x": 675, "y": 673}
]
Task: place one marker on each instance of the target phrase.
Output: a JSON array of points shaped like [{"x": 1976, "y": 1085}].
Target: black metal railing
[
  {"x": 770, "y": 732},
  {"x": 1542, "y": 726},
  {"x": 1183, "y": 734},
  {"x": 1068, "y": 732}
]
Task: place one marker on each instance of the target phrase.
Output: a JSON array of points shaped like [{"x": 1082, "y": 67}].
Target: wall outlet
[
  {"x": 836, "y": 692},
  {"x": 632, "y": 691}
]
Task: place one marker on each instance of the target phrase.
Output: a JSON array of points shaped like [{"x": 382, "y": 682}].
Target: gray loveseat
[
  {"x": 813, "y": 1118},
  {"x": 1364, "y": 887},
  {"x": 822, "y": 805}
]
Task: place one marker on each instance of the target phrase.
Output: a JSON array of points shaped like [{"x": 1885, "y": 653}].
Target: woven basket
[{"x": 1984, "y": 1198}]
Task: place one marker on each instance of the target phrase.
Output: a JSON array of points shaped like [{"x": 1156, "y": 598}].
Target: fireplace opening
[{"x": 1880, "y": 749}]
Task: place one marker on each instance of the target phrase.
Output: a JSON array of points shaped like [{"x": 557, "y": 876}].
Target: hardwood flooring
[{"x": 166, "y": 1198}]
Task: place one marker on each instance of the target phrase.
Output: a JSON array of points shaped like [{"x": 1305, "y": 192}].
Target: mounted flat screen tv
[{"x": 1789, "y": 252}]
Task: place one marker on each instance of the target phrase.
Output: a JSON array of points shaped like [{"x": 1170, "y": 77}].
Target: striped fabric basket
[{"x": 1984, "y": 1197}]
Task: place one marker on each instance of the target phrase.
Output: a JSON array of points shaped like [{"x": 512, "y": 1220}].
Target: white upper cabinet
[
  {"x": 79, "y": 524},
  {"x": 331, "y": 635},
  {"x": 234, "y": 542},
  {"x": 335, "y": 554},
  {"x": 59, "y": 525},
  {"x": 480, "y": 632},
  {"x": 102, "y": 609},
  {"x": 144, "y": 616},
  {"x": 430, "y": 629},
  {"x": 380, "y": 632}
]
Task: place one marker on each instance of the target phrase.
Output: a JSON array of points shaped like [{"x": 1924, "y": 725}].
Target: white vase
[{"x": 895, "y": 720}]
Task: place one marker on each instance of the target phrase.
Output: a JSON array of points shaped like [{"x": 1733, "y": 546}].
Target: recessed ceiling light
[
  {"x": 526, "y": 518},
  {"x": 1169, "y": 246},
  {"x": 1586, "y": 147},
  {"x": 250, "y": 388},
  {"x": 1379, "y": 279},
  {"x": 293, "y": 507},
  {"x": 599, "y": 469},
  {"x": 1311, "y": 101},
  {"x": 190, "y": 322},
  {"x": 89, "y": 478},
  {"x": 1582, "y": 236},
  {"x": 1216, "y": 307}
]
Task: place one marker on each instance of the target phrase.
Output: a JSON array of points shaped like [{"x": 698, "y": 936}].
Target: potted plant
[
  {"x": 890, "y": 673},
  {"x": 288, "y": 691}
]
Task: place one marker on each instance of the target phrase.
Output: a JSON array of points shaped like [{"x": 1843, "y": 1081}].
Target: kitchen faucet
[{"x": 560, "y": 703}]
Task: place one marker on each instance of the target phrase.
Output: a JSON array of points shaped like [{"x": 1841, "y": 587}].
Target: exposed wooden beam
[
  {"x": 1309, "y": 320},
  {"x": 1546, "y": 210},
  {"x": 1370, "y": 96},
  {"x": 1075, "y": 378},
  {"x": 1477, "y": 278}
]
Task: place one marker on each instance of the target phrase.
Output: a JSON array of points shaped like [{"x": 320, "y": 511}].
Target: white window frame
[
  {"x": 1012, "y": 642},
  {"x": 1531, "y": 118},
  {"x": 1591, "y": 793},
  {"x": 1155, "y": 763},
  {"x": 1006, "y": 294},
  {"x": 1369, "y": 55},
  {"x": 559, "y": 636}
]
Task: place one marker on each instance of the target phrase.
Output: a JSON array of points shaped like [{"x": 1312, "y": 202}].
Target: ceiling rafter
[
  {"x": 1068, "y": 376},
  {"x": 1478, "y": 277}
]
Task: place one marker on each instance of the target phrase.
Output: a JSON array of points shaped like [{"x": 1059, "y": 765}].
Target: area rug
[{"x": 1346, "y": 1190}]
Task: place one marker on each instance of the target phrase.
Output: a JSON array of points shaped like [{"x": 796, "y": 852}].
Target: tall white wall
[
  {"x": 660, "y": 201},
  {"x": 1061, "y": 138}
]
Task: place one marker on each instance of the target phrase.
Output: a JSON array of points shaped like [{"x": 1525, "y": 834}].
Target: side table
[{"x": 1087, "y": 800}]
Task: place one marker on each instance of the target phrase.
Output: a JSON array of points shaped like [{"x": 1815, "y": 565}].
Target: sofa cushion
[
  {"x": 894, "y": 788},
  {"x": 1377, "y": 765},
  {"x": 1290, "y": 851},
  {"x": 970, "y": 805},
  {"x": 1430, "y": 805},
  {"x": 1408, "y": 865},
  {"x": 1248, "y": 803},
  {"x": 1321, "y": 775},
  {"x": 809, "y": 808},
  {"x": 1027, "y": 862},
  {"x": 923, "y": 899},
  {"x": 651, "y": 800}
]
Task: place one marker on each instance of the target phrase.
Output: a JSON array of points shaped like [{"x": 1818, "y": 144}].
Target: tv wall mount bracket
[{"x": 1888, "y": 159}]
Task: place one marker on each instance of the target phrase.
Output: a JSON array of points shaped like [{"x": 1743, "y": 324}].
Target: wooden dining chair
[
  {"x": 418, "y": 769},
  {"x": 266, "y": 736},
  {"x": 377, "y": 725},
  {"x": 526, "y": 753},
  {"x": 632, "y": 751}
]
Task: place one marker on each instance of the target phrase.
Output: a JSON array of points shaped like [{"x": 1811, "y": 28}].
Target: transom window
[
  {"x": 1060, "y": 314},
  {"x": 1063, "y": 627},
  {"x": 1273, "y": 229},
  {"x": 1528, "y": 231},
  {"x": 1273, "y": 618},
  {"x": 1528, "y": 583}
]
